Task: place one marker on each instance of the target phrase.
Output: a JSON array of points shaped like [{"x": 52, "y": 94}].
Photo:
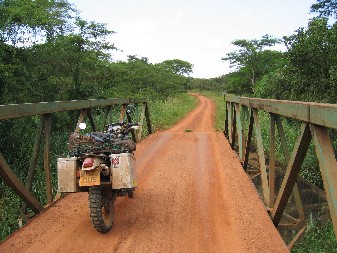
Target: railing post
[
  {"x": 122, "y": 114},
  {"x": 249, "y": 139},
  {"x": 107, "y": 111},
  {"x": 272, "y": 158},
  {"x": 147, "y": 117},
  {"x": 80, "y": 120},
  {"x": 46, "y": 158},
  {"x": 286, "y": 153},
  {"x": 293, "y": 168},
  {"x": 230, "y": 122},
  {"x": 226, "y": 118},
  {"x": 328, "y": 167},
  {"x": 92, "y": 120},
  {"x": 262, "y": 160},
  {"x": 239, "y": 126},
  {"x": 233, "y": 133},
  {"x": 141, "y": 122},
  {"x": 244, "y": 139},
  {"x": 133, "y": 133},
  {"x": 33, "y": 161},
  {"x": 13, "y": 182}
]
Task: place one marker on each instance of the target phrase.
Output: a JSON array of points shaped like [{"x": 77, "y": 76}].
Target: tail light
[{"x": 88, "y": 162}]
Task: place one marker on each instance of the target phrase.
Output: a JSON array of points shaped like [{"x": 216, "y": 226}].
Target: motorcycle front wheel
[{"x": 101, "y": 205}]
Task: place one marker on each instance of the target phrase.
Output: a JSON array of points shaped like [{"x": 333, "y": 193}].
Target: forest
[{"x": 49, "y": 53}]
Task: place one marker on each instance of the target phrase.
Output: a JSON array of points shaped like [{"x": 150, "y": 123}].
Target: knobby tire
[{"x": 101, "y": 208}]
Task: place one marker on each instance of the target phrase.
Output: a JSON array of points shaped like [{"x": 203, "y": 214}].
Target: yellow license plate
[{"x": 90, "y": 177}]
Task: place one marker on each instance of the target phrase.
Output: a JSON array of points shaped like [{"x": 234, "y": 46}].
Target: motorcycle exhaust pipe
[{"x": 105, "y": 170}]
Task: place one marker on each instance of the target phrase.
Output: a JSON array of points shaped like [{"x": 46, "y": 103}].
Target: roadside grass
[
  {"x": 218, "y": 98},
  {"x": 317, "y": 239},
  {"x": 165, "y": 113}
]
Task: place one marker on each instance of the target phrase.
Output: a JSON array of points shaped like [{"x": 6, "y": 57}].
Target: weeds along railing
[
  {"x": 316, "y": 119},
  {"x": 44, "y": 110}
]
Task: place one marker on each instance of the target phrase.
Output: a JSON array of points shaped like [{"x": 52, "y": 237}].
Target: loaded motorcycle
[{"x": 102, "y": 164}]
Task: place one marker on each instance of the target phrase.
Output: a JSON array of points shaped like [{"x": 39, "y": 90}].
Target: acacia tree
[
  {"x": 325, "y": 8},
  {"x": 178, "y": 67},
  {"x": 252, "y": 60}
]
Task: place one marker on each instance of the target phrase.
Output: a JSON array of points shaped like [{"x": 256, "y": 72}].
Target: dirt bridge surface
[{"x": 193, "y": 196}]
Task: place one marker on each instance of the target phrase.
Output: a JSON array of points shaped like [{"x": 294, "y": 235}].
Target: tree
[
  {"x": 139, "y": 78},
  {"x": 178, "y": 67},
  {"x": 69, "y": 64},
  {"x": 88, "y": 47},
  {"x": 325, "y": 8},
  {"x": 275, "y": 85},
  {"x": 312, "y": 62},
  {"x": 252, "y": 60},
  {"x": 23, "y": 21}
]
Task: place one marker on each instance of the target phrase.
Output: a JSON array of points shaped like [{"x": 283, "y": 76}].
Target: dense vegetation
[{"x": 306, "y": 71}]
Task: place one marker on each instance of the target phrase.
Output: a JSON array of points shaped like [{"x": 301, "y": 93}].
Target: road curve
[{"x": 192, "y": 196}]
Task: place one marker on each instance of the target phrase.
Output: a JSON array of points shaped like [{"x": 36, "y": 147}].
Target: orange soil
[{"x": 192, "y": 196}]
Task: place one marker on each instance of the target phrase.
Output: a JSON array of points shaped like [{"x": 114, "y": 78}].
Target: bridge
[{"x": 194, "y": 194}]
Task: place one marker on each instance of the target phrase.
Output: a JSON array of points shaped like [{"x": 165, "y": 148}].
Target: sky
[{"x": 196, "y": 31}]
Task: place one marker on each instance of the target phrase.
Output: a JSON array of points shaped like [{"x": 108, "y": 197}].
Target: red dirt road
[{"x": 192, "y": 196}]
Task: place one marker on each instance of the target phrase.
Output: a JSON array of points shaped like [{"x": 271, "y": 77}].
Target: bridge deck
[{"x": 193, "y": 196}]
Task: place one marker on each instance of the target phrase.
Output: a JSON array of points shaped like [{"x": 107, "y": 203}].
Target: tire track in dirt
[{"x": 192, "y": 196}]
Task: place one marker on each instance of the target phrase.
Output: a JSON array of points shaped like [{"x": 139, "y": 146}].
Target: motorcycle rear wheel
[{"x": 101, "y": 205}]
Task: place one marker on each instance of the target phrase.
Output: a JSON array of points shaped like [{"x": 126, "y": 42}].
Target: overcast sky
[{"x": 196, "y": 31}]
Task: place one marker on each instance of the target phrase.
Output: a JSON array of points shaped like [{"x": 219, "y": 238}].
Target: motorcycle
[{"x": 102, "y": 164}]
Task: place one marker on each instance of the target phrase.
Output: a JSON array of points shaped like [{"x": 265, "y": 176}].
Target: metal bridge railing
[
  {"x": 44, "y": 110},
  {"x": 315, "y": 120}
]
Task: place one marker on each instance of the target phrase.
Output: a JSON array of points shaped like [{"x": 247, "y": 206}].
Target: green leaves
[
  {"x": 248, "y": 51},
  {"x": 25, "y": 21},
  {"x": 312, "y": 62},
  {"x": 251, "y": 61},
  {"x": 325, "y": 8},
  {"x": 178, "y": 67},
  {"x": 138, "y": 77}
]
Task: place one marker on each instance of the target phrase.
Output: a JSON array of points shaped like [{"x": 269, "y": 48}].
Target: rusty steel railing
[
  {"x": 315, "y": 120},
  {"x": 44, "y": 129}
]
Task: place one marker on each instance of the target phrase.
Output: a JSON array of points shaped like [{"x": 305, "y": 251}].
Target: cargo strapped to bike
[{"x": 98, "y": 142}]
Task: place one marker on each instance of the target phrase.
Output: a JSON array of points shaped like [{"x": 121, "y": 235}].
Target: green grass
[
  {"x": 317, "y": 239},
  {"x": 218, "y": 98},
  {"x": 165, "y": 114}
]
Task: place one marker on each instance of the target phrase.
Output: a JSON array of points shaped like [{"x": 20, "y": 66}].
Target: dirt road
[{"x": 193, "y": 196}]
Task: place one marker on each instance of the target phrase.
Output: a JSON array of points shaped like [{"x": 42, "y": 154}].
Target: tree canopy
[
  {"x": 252, "y": 61},
  {"x": 178, "y": 67},
  {"x": 305, "y": 71},
  {"x": 325, "y": 8},
  {"x": 48, "y": 52},
  {"x": 25, "y": 21}
]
